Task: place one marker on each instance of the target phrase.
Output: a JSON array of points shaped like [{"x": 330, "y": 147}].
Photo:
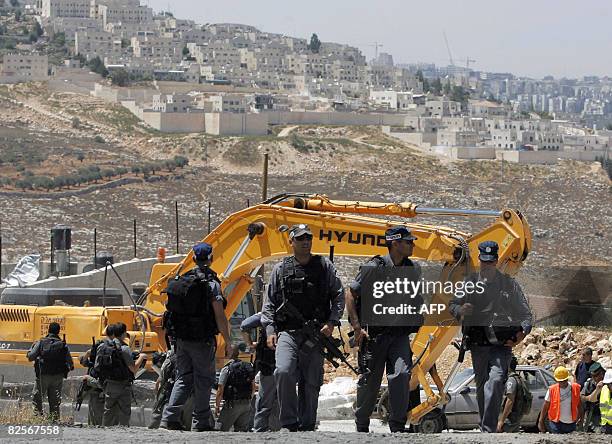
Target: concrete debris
[{"x": 542, "y": 347}]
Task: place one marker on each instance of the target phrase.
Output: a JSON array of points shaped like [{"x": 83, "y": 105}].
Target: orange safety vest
[{"x": 554, "y": 410}]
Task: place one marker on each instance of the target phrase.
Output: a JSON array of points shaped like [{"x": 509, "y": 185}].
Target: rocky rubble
[{"x": 564, "y": 347}]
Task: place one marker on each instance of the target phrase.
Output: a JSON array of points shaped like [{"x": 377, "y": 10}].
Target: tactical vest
[
  {"x": 52, "y": 359},
  {"x": 304, "y": 286},
  {"x": 265, "y": 357},
  {"x": 239, "y": 381},
  {"x": 110, "y": 365},
  {"x": 376, "y": 330},
  {"x": 488, "y": 327},
  {"x": 190, "y": 314}
]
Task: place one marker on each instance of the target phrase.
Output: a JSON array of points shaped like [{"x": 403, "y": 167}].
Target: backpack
[
  {"x": 110, "y": 365},
  {"x": 91, "y": 362},
  {"x": 239, "y": 381},
  {"x": 523, "y": 398},
  {"x": 189, "y": 313},
  {"x": 52, "y": 360}
]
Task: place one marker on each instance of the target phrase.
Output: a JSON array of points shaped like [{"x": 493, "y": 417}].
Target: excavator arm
[{"x": 257, "y": 235}]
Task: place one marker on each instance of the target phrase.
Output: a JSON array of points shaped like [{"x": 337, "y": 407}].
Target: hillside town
[{"x": 234, "y": 79}]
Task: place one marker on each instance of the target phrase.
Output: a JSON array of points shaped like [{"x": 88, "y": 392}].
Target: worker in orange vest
[{"x": 562, "y": 405}]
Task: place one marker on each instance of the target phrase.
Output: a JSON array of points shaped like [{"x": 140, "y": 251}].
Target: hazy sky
[{"x": 525, "y": 37}]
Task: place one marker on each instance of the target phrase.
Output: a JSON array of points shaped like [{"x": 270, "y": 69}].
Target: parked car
[{"x": 461, "y": 413}]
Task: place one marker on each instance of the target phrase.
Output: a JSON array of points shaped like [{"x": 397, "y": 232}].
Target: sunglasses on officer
[{"x": 303, "y": 237}]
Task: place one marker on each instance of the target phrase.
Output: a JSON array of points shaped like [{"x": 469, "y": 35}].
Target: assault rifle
[
  {"x": 80, "y": 395},
  {"x": 365, "y": 355},
  {"x": 329, "y": 347}
]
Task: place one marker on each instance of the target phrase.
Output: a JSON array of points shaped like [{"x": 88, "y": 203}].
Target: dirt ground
[{"x": 329, "y": 431}]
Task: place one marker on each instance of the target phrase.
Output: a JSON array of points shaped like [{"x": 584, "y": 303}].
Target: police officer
[
  {"x": 266, "y": 403},
  {"x": 52, "y": 362},
  {"x": 386, "y": 346},
  {"x": 95, "y": 391},
  {"x": 311, "y": 285},
  {"x": 118, "y": 387},
  {"x": 195, "y": 358},
  {"x": 236, "y": 386},
  {"x": 163, "y": 386},
  {"x": 495, "y": 317},
  {"x": 592, "y": 413}
]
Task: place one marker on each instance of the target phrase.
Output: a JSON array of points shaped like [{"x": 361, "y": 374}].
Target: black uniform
[
  {"x": 316, "y": 291},
  {"x": 499, "y": 313},
  {"x": 388, "y": 347}
]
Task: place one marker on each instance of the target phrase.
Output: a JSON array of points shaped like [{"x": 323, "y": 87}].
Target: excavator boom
[{"x": 257, "y": 235}]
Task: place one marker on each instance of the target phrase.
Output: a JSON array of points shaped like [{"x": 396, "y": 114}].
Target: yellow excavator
[{"x": 256, "y": 235}]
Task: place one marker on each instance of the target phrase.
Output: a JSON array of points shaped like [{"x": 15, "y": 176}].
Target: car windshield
[{"x": 460, "y": 378}]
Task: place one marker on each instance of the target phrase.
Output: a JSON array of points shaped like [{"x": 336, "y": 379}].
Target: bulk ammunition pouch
[
  {"x": 190, "y": 314},
  {"x": 52, "y": 360},
  {"x": 110, "y": 365},
  {"x": 239, "y": 381},
  {"x": 305, "y": 287}
]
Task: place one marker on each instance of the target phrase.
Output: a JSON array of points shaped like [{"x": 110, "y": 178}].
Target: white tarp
[
  {"x": 26, "y": 271},
  {"x": 336, "y": 399}
]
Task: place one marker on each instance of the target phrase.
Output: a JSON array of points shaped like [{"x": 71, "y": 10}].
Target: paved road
[{"x": 330, "y": 431}]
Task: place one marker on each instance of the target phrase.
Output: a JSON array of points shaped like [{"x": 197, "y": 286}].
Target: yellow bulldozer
[{"x": 249, "y": 238}]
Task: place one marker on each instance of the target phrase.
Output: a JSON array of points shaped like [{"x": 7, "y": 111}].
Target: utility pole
[{"x": 264, "y": 188}]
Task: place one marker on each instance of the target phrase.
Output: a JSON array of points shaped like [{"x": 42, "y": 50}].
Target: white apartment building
[
  {"x": 91, "y": 44},
  {"x": 154, "y": 46},
  {"x": 393, "y": 100},
  {"x": 129, "y": 30},
  {"x": 504, "y": 138},
  {"x": 65, "y": 8},
  {"x": 172, "y": 103},
  {"x": 451, "y": 137},
  {"x": 230, "y": 103},
  {"x": 70, "y": 25},
  {"x": 24, "y": 67},
  {"x": 442, "y": 108}
]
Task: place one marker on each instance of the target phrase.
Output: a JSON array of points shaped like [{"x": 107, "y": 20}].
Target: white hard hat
[{"x": 608, "y": 377}]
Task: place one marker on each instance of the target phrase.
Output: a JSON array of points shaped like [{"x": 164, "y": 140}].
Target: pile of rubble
[{"x": 542, "y": 347}]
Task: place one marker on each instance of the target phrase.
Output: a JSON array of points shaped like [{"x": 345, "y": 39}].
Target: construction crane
[
  {"x": 468, "y": 61},
  {"x": 376, "y": 45},
  {"x": 450, "y": 56}
]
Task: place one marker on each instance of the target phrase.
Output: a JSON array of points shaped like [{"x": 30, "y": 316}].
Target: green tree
[
  {"x": 99, "y": 139},
  {"x": 38, "y": 29},
  {"x": 186, "y": 51},
  {"x": 59, "y": 39},
  {"x": 24, "y": 184},
  {"x": 609, "y": 126},
  {"x": 181, "y": 161},
  {"x": 97, "y": 65},
  {"x": 459, "y": 94},
  {"x": 125, "y": 43},
  {"x": 15, "y": 3},
  {"x": 447, "y": 87},
  {"x": 436, "y": 86},
  {"x": 120, "y": 77},
  {"x": 108, "y": 173},
  {"x": 136, "y": 169},
  {"x": 17, "y": 14},
  {"x": 42, "y": 182},
  {"x": 315, "y": 44}
]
